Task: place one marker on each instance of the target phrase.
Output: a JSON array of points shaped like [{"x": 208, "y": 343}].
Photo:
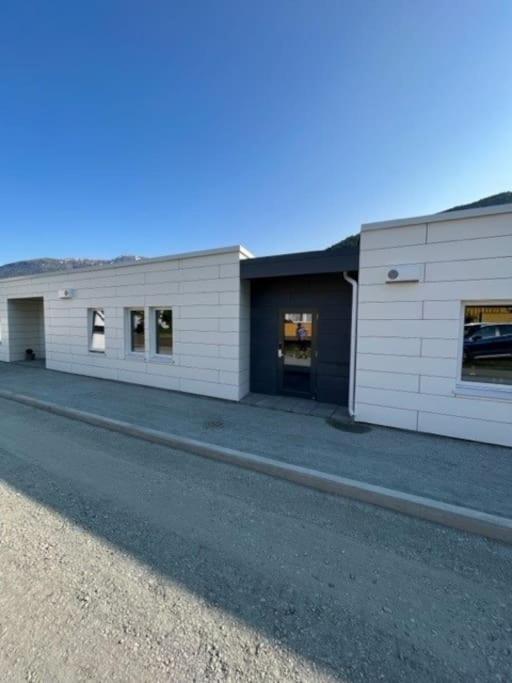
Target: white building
[
  {"x": 413, "y": 368},
  {"x": 178, "y": 322},
  {"x": 423, "y": 340}
]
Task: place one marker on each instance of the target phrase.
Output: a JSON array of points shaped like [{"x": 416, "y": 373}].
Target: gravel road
[{"x": 125, "y": 561}]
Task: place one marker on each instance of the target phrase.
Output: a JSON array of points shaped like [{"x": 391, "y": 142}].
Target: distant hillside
[
  {"x": 493, "y": 200},
  {"x": 350, "y": 241},
  {"x": 50, "y": 265}
]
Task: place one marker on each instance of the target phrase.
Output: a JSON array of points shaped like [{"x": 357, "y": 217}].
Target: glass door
[{"x": 296, "y": 353}]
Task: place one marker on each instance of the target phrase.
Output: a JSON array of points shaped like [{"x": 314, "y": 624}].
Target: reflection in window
[
  {"x": 297, "y": 338},
  {"x": 163, "y": 331},
  {"x": 97, "y": 330},
  {"x": 138, "y": 342},
  {"x": 487, "y": 355}
]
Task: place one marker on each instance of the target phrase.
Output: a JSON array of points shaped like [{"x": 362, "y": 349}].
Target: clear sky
[{"x": 157, "y": 127}]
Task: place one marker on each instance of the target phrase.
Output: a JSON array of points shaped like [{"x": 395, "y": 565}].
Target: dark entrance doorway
[
  {"x": 27, "y": 338},
  {"x": 297, "y": 353},
  {"x": 301, "y": 310}
]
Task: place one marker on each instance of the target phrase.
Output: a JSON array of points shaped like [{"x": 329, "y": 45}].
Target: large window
[
  {"x": 97, "y": 330},
  {"x": 487, "y": 348},
  {"x": 151, "y": 341},
  {"x": 163, "y": 331},
  {"x": 137, "y": 331}
]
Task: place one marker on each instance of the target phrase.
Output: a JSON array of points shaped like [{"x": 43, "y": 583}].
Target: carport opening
[{"x": 26, "y": 330}]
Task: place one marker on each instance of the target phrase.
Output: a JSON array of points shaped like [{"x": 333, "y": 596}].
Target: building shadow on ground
[{"x": 296, "y": 565}]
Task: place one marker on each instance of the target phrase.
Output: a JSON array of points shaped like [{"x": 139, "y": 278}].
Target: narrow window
[
  {"x": 138, "y": 342},
  {"x": 97, "y": 330},
  {"x": 163, "y": 331},
  {"x": 487, "y": 352}
]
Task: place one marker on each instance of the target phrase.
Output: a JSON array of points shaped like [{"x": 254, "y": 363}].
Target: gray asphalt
[
  {"x": 126, "y": 561},
  {"x": 474, "y": 475}
]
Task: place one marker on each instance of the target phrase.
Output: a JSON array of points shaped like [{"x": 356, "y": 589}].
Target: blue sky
[{"x": 159, "y": 127}]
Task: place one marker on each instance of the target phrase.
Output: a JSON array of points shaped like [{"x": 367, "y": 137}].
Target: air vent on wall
[
  {"x": 65, "y": 293},
  {"x": 404, "y": 274}
]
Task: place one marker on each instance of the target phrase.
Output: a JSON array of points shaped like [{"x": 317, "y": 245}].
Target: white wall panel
[
  {"x": 438, "y": 386},
  {"x": 463, "y": 260},
  {"x": 435, "y": 367},
  {"x": 474, "y": 269},
  {"x": 209, "y": 322},
  {"x": 438, "y": 291},
  {"x": 387, "y": 380},
  {"x": 466, "y": 428},
  {"x": 446, "y": 405},
  {"x": 487, "y": 247},
  {"x": 228, "y": 284},
  {"x": 392, "y": 310},
  {"x": 394, "y": 237},
  {"x": 446, "y": 329},
  {"x": 440, "y": 348},
  {"x": 230, "y": 271},
  {"x": 389, "y": 417},
  {"x": 389, "y": 346},
  {"x": 470, "y": 228},
  {"x": 441, "y": 310}
]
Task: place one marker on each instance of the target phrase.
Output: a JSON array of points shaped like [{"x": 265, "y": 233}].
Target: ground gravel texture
[
  {"x": 125, "y": 561},
  {"x": 473, "y": 475}
]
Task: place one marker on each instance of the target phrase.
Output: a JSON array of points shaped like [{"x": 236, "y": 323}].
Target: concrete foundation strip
[{"x": 466, "y": 519}]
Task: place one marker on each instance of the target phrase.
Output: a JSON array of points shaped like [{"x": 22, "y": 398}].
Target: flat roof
[
  {"x": 334, "y": 260},
  {"x": 144, "y": 261},
  {"x": 438, "y": 217}
]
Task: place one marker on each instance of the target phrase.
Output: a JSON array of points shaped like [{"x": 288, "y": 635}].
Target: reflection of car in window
[
  {"x": 471, "y": 328},
  {"x": 487, "y": 340}
]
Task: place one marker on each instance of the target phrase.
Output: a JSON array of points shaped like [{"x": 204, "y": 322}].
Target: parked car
[
  {"x": 471, "y": 328},
  {"x": 487, "y": 340}
]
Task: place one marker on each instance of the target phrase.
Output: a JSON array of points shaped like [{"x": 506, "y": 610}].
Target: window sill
[{"x": 484, "y": 391}]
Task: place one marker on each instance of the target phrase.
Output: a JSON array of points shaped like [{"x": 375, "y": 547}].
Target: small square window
[
  {"x": 137, "y": 331},
  {"x": 487, "y": 345},
  {"x": 163, "y": 331},
  {"x": 97, "y": 330}
]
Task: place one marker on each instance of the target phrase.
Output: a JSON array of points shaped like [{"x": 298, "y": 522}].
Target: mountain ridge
[{"x": 54, "y": 265}]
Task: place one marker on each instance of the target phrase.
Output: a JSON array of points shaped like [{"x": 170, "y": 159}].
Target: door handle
[{"x": 280, "y": 351}]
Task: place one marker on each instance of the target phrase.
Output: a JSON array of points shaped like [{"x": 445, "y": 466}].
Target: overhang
[{"x": 302, "y": 263}]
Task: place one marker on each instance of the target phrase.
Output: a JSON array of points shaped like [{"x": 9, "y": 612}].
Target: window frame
[
  {"x": 154, "y": 355},
  {"x": 129, "y": 332},
  {"x": 489, "y": 390},
  {"x": 90, "y": 329}
]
